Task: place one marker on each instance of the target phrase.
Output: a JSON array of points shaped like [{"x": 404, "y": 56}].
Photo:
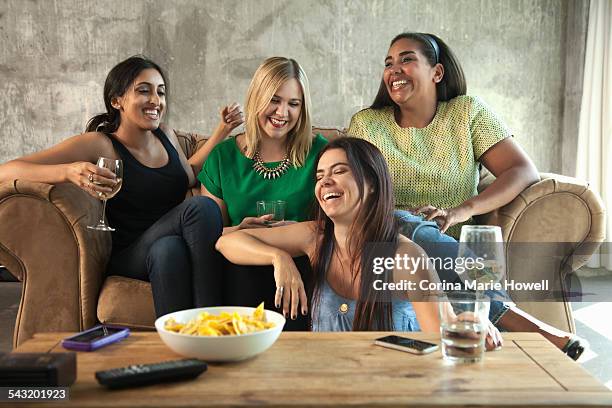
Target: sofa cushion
[
  {"x": 330, "y": 133},
  {"x": 126, "y": 302},
  {"x": 191, "y": 142}
]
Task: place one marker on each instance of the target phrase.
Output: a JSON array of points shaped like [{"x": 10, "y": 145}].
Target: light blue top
[{"x": 330, "y": 315}]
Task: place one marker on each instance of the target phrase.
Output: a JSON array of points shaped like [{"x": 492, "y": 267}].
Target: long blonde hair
[{"x": 270, "y": 75}]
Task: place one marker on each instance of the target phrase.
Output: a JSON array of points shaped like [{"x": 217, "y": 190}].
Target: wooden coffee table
[{"x": 305, "y": 369}]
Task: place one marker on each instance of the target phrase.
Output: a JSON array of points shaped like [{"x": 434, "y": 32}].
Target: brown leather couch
[{"x": 45, "y": 244}]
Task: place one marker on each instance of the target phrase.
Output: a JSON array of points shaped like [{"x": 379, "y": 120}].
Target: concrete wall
[{"x": 54, "y": 56}]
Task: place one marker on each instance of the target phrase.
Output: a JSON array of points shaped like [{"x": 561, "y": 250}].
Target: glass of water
[
  {"x": 463, "y": 326},
  {"x": 275, "y": 207}
]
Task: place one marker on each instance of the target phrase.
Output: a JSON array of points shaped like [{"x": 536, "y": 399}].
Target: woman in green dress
[{"x": 273, "y": 159}]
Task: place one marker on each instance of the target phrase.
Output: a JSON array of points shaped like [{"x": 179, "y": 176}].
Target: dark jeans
[
  {"x": 177, "y": 255},
  {"x": 251, "y": 285}
]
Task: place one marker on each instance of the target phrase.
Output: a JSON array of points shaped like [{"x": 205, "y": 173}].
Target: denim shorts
[{"x": 427, "y": 235}]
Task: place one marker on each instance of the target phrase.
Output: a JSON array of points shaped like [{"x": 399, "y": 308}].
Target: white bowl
[{"x": 221, "y": 348}]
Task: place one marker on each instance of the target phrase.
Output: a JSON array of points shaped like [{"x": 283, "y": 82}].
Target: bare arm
[
  {"x": 514, "y": 171},
  {"x": 261, "y": 246},
  {"x": 69, "y": 161},
  {"x": 204, "y": 191},
  {"x": 277, "y": 247},
  {"x": 231, "y": 118},
  {"x": 427, "y": 316},
  {"x": 424, "y": 302}
]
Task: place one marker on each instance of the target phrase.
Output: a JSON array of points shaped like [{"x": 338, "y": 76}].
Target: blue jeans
[
  {"x": 177, "y": 255},
  {"x": 437, "y": 245}
]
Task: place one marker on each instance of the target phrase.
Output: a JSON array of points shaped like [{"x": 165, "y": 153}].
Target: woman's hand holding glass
[
  {"x": 92, "y": 179},
  {"x": 114, "y": 185},
  {"x": 263, "y": 221},
  {"x": 256, "y": 222},
  {"x": 290, "y": 292}
]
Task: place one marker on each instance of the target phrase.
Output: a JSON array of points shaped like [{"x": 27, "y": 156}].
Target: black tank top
[{"x": 146, "y": 194}]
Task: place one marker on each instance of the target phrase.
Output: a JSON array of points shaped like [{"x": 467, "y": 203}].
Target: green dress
[
  {"x": 437, "y": 164},
  {"x": 229, "y": 175}
]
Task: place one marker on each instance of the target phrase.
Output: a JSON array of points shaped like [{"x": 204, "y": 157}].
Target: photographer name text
[{"x": 425, "y": 285}]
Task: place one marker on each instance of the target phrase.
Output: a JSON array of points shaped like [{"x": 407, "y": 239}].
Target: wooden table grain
[{"x": 335, "y": 369}]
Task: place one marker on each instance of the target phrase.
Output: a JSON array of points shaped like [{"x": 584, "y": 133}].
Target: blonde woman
[{"x": 274, "y": 159}]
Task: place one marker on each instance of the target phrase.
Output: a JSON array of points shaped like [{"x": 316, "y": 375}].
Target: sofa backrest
[
  {"x": 330, "y": 133},
  {"x": 190, "y": 142}
]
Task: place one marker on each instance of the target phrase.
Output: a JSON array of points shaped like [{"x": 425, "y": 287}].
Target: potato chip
[{"x": 226, "y": 324}]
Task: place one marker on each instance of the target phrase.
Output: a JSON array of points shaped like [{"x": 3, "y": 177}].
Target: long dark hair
[
  {"x": 375, "y": 223},
  {"x": 117, "y": 82},
  {"x": 453, "y": 82}
]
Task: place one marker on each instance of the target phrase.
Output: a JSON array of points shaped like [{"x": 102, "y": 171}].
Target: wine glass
[
  {"x": 481, "y": 254},
  {"x": 116, "y": 166}
]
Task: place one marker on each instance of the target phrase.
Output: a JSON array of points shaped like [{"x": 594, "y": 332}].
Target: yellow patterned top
[{"x": 437, "y": 164}]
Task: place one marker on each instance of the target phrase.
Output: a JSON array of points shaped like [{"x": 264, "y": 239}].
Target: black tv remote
[{"x": 143, "y": 374}]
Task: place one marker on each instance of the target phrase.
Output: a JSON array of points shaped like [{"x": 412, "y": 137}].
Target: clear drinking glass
[
  {"x": 463, "y": 326},
  {"x": 116, "y": 166},
  {"x": 275, "y": 207},
  {"x": 481, "y": 256}
]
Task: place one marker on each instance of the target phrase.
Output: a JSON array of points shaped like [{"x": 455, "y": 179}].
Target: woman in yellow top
[{"x": 434, "y": 137}]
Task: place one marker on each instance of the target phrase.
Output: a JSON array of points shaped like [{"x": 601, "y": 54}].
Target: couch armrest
[
  {"x": 563, "y": 212},
  {"x": 45, "y": 243},
  {"x": 555, "y": 209}
]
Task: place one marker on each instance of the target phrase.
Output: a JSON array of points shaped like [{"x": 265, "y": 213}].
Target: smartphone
[
  {"x": 406, "y": 344},
  {"x": 95, "y": 338}
]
